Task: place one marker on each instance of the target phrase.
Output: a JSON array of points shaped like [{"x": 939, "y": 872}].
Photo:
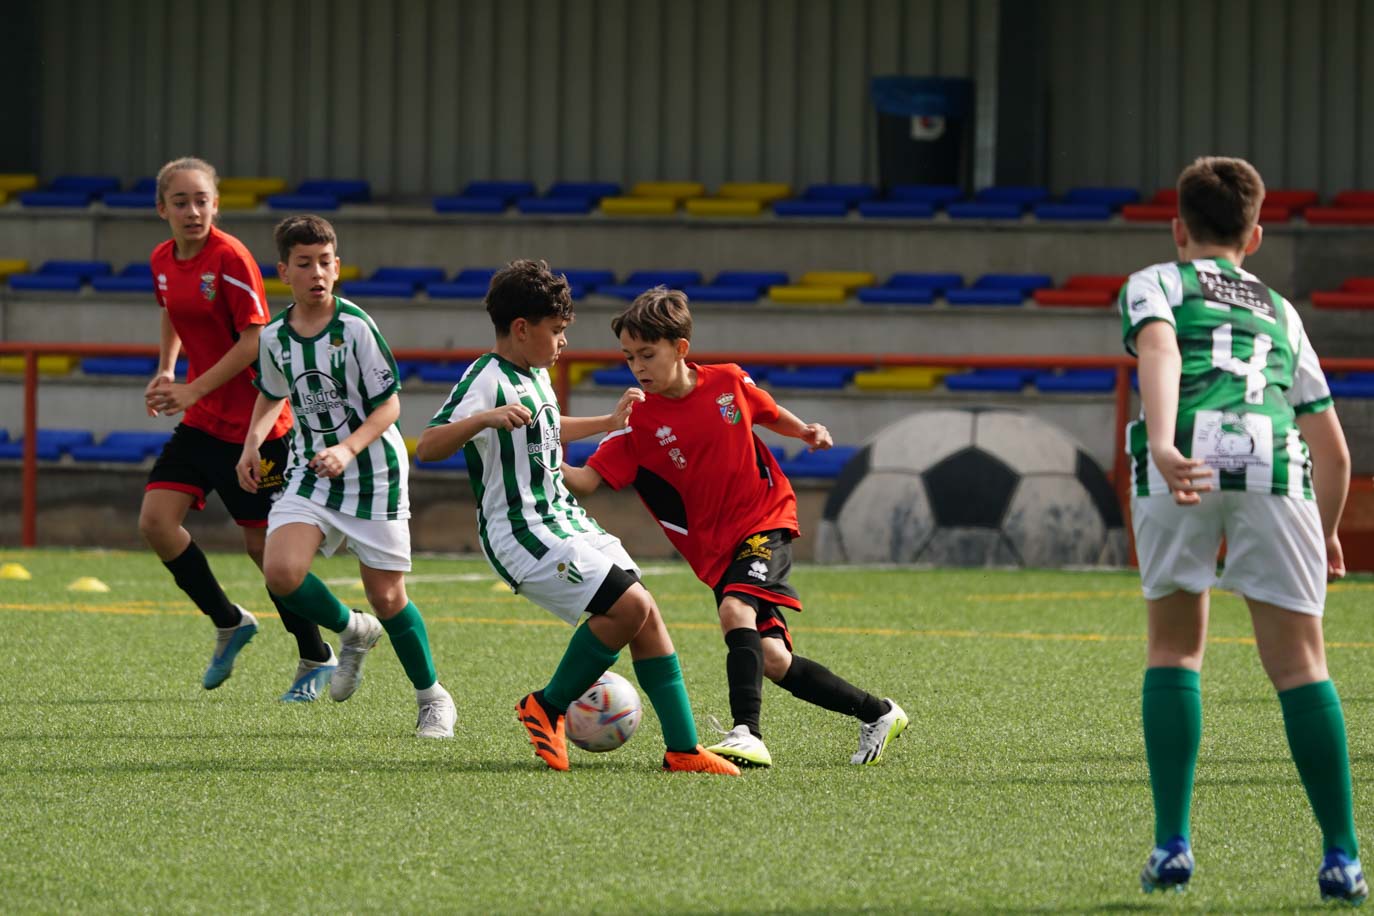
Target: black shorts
[
  {"x": 195, "y": 462},
  {"x": 758, "y": 576},
  {"x": 617, "y": 582}
]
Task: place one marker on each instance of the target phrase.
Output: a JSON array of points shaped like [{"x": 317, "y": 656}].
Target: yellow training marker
[
  {"x": 15, "y": 571},
  {"x": 88, "y": 584}
]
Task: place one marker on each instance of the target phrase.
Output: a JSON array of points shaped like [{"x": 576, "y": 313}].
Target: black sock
[
  {"x": 744, "y": 673},
  {"x": 192, "y": 574},
  {"x": 815, "y": 683},
  {"x": 307, "y": 633}
]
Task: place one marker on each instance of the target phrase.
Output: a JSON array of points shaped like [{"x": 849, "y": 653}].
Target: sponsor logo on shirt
[
  {"x": 758, "y": 570},
  {"x": 1228, "y": 442},
  {"x": 543, "y": 438},
  {"x": 207, "y": 287},
  {"x": 679, "y": 460},
  {"x": 317, "y": 402},
  {"x": 728, "y": 411},
  {"x": 755, "y": 546},
  {"x": 383, "y": 377},
  {"x": 665, "y": 435},
  {"x": 162, "y": 283}
]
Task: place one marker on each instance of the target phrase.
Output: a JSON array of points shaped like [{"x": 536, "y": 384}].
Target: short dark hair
[
  {"x": 656, "y": 314},
  {"x": 1219, "y": 200},
  {"x": 529, "y": 290},
  {"x": 303, "y": 230}
]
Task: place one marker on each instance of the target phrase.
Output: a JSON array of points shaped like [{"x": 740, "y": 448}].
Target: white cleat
[
  {"x": 874, "y": 737},
  {"x": 311, "y": 679},
  {"x": 741, "y": 748},
  {"x": 362, "y": 634},
  {"x": 437, "y": 717}
]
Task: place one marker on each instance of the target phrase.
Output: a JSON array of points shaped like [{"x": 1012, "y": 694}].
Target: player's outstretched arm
[
  {"x": 265, "y": 413},
  {"x": 1330, "y": 478},
  {"x": 574, "y": 428},
  {"x": 439, "y": 442},
  {"x": 1161, "y": 365},
  {"x": 581, "y": 482},
  {"x": 789, "y": 424}
]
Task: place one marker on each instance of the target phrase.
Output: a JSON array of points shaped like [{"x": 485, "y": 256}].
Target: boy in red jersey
[
  {"x": 691, "y": 453},
  {"x": 214, "y": 307}
]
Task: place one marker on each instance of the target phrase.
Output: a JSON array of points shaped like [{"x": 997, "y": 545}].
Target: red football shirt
[
  {"x": 210, "y": 299},
  {"x": 701, "y": 470}
]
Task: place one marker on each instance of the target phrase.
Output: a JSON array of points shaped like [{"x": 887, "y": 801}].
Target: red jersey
[
  {"x": 210, "y": 300},
  {"x": 700, "y": 469}
]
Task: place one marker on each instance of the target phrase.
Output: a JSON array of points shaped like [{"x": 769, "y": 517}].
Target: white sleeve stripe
[
  {"x": 619, "y": 432},
  {"x": 257, "y": 303}
]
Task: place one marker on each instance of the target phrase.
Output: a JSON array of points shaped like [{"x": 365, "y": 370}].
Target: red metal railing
[{"x": 562, "y": 382}]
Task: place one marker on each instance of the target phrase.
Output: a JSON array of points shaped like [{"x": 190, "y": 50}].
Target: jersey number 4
[{"x": 1252, "y": 370}]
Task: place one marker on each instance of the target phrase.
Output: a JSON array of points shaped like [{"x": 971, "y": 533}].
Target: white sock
[
  {"x": 430, "y": 693},
  {"x": 351, "y": 630}
]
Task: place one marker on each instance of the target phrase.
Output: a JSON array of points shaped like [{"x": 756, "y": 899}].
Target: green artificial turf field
[{"x": 1020, "y": 785}]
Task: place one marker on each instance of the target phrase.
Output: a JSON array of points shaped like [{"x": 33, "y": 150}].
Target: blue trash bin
[{"x": 924, "y": 128}]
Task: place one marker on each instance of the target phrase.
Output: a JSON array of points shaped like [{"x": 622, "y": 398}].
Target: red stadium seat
[
  {"x": 1290, "y": 198},
  {"x": 1149, "y": 213},
  {"x": 1080, "y": 297},
  {"x": 1340, "y": 215},
  {"x": 1342, "y": 300},
  {"x": 1112, "y": 283},
  {"x": 1359, "y": 199},
  {"x": 1358, "y": 285}
]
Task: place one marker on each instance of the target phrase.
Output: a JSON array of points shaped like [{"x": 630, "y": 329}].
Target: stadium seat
[
  {"x": 580, "y": 369},
  {"x": 481, "y": 275},
  {"x": 940, "y": 282},
  {"x": 1074, "y": 297},
  {"x": 1067, "y": 212},
  {"x": 55, "y": 198},
  {"x": 1358, "y": 285},
  {"x": 1291, "y": 198},
  {"x": 849, "y": 280},
  {"x": 1022, "y": 195},
  {"x": 825, "y": 464},
  {"x": 257, "y": 186},
  {"x": 275, "y": 287},
  {"x": 1076, "y": 380},
  {"x": 900, "y": 378},
  {"x": 9, "y": 266},
  {"x": 989, "y": 380},
  {"x": 937, "y": 195},
  {"x": 1355, "y": 199},
  {"x": 18, "y": 181},
  {"x": 415, "y": 276},
  {"x": 896, "y": 209},
  {"x": 765, "y": 191},
  {"x": 1353, "y": 385},
  {"x": 51, "y": 444},
  {"x": 132, "y": 447},
  {"x": 50, "y": 283},
  {"x": 577, "y": 453},
  {"x": 86, "y": 184},
  {"x": 505, "y": 191},
  {"x": 676, "y": 191},
  {"x": 897, "y": 295},
  {"x": 1112, "y": 198},
  {"x": 848, "y": 194},
  {"x": 555, "y": 205},
  {"x": 619, "y": 377},
  {"x": 347, "y": 190},
  {"x": 985, "y": 210},
  {"x": 445, "y": 373},
  {"x": 1321, "y": 299},
  {"x": 237, "y": 200},
  {"x": 985, "y": 295},
  {"x": 583, "y": 190},
  {"x": 378, "y": 289},
  {"x": 588, "y": 277},
  {"x": 455, "y": 462},
  {"x": 626, "y": 291},
  {"x": 721, "y": 292},
  {"x": 313, "y": 203},
  {"x": 759, "y": 279},
  {"x": 50, "y": 364},
  {"x": 1023, "y": 283},
  {"x": 673, "y": 279},
  {"x": 724, "y": 206},
  {"x": 638, "y": 206},
  {"x": 807, "y": 293},
  {"x": 1149, "y": 213},
  {"x": 460, "y": 204},
  {"x": 822, "y": 377},
  {"x": 811, "y": 208},
  {"x": 83, "y": 269},
  {"x": 1112, "y": 283},
  {"x": 124, "y": 283},
  {"x": 1339, "y": 215},
  {"x": 130, "y": 200}
]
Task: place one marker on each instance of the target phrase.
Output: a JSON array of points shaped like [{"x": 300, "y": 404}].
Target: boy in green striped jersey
[
  {"x": 346, "y": 473},
  {"x": 1238, "y": 439},
  {"x": 505, "y": 417}
]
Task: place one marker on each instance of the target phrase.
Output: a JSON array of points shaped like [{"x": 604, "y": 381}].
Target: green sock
[
  {"x": 585, "y": 660},
  {"x": 1316, "y": 736},
  {"x": 1171, "y": 710},
  {"x": 411, "y": 642},
  {"x": 661, "y": 679},
  {"x": 314, "y": 601}
]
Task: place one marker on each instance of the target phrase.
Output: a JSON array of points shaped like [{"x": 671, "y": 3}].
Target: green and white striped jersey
[
  {"x": 523, "y": 506},
  {"x": 334, "y": 380},
  {"x": 1248, "y": 371}
]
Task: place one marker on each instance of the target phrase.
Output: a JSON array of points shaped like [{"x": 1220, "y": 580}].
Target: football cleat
[
  {"x": 1169, "y": 867},
  {"x": 311, "y": 679},
  {"x": 1342, "y": 878},
  {"x": 352, "y": 653},
  {"x": 699, "y": 760},
  {"x": 740, "y": 747},
  {"x": 437, "y": 717},
  {"x": 228, "y": 642},
  {"x": 549, "y": 738},
  {"x": 875, "y": 736}
]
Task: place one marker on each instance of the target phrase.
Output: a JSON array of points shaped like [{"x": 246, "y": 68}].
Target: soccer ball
[
  {"x": 605, "y": 717},
  {"x": 973, "y": 487}
]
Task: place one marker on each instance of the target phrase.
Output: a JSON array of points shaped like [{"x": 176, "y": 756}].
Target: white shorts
[
  {"x": 567, "y": 578},
  {"x": 378, "y": 543},
  {"x": 1275, "y": 548}
]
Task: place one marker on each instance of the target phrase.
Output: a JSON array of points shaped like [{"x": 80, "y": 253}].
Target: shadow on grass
[{"x": 310, "y": 765}]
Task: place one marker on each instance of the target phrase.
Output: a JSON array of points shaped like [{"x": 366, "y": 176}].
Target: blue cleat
[
  {"x": 311, "y": 679},
  {"x": 227, "y": 645},
  {"x": 1341, "y": 878},
  {"x": 1169, "y": 867}
]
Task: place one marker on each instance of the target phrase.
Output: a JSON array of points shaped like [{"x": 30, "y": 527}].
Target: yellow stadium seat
[
  {"x": 677, "y": 190},
  {"x": 849, "y": 279},
  {"x": 53, "y": 364},
  {"x": 350, "y": 272},
  {"x": 900, "y": 378},
  {"x": 579, "y": 369},
  {"x": 16, "y": 181},
  {"x": 765, "y": 191},
  {"x": 807, "y": 294},
  {"x": 276, "y": 287},
  {"x": 259, "y": 186},
  {"x": 237, "y": 200},
  {"x": 4, "y": 197},
  {"x": 724, "y": 206},
  {"x": 412, "y": 443},
  {"x": 13, "y": 266},
  {"x": 638, "y": 206}
]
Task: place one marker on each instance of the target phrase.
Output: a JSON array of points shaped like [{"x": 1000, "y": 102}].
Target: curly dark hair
[
  {"x": 303, "y": 230},
  {"x": 1219, "y": 200},
  {"x": 529, "y": 290},
  {"x": 656, "y": 314}
]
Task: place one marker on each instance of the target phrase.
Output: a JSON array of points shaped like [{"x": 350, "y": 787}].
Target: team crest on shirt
[
  {"x": 207, "y": 287},
  {"x": 728, "y": 411},
  {"x": 337, "y": 353},
  {"x": 754, "y": 546},
  {"x": 679, "y": 460},
  {"x": 569, "y": 572}
]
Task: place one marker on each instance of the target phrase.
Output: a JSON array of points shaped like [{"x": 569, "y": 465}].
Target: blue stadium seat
[
  {"x": 673, "y": 279},
  {"x": 123, "y": 284},
  {"x": 481, "y": 275},
  {"x": 51, "y": 283},
  {"x": 626, "y": 291},
  {"x": 826, "y": 464},
  {"x": 1353, "y": 385},
  {"x": 132, "y": 447},
  {"x": 897, "y": 295},
  {"x": 1113, "y": 198},
  {"x": 583, "y": 190},
  {"x": 719, "y": 292},
  {"x": 137, "y": 269},
  {"x": 4, "y": 435},
  {"x": 454, "y": 290},
  {"x": 574, "y": 206},
  {"x": 348, "y": 190},
  {"x": 445, "y": 373},
  {"x": 577, "y": 453},
  {"x": 405, "y": 368},
  {"x": 145, "y": 185},
  {"x": 982, "y": 295},
  {"x": 758, "y": 373},
  {"x": 813, "y": 377},
  {"x": 896, "y": 209},
  {"x": 940, "y": 282},
  {"x": 51, "y": 444},
  {"x": 268, "y": 269},
  {"x": 844, "y": 193},
  {"x": 455, "y": 462},
  {"x": 760, "y": 279},
  {"x": 312, "y": 203},
  {"x": 55, "y": 198},
  {"x": 937, "y": 195},
  {"x": 1024, "y": 195},
  {"x": 1073, "y": 212},
  {"x": 140, "y": 200},
  {"x": 83, "y": 269},
  {"x": 504, "y": 191},
  {"x": 415, "y": 276},
  {"x": 394, "y": 289},
  {"x": 989, "y": 380},
  {"x": 619, "y": 377},
  {"x": 1022, "y": 283},
  {"x": 590, "y": 277},
  {"x": 1076, "y": 380},
  {"x": 87, "y": 184},
  {"x": 461, "y": 204},
  {"x": 984, "y": 210},
  {"x": 811, "y": 208},
  {"x": 140, "y": 366}
]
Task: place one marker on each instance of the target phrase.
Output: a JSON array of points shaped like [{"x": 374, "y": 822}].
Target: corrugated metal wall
[
  {"x": 1140, "y": 87},
  {"x": 421, "y": 96}
]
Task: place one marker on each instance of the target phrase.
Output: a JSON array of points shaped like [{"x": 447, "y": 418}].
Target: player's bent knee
[
  {"x": 283, "y": 578},
  {"x": 776, "y": 659}
]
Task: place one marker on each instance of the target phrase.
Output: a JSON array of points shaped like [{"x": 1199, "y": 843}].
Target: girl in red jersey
[{"x": 213, "y": 307}]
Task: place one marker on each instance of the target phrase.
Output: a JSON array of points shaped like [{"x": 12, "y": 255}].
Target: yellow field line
[{"x": 129, "y": 609}]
